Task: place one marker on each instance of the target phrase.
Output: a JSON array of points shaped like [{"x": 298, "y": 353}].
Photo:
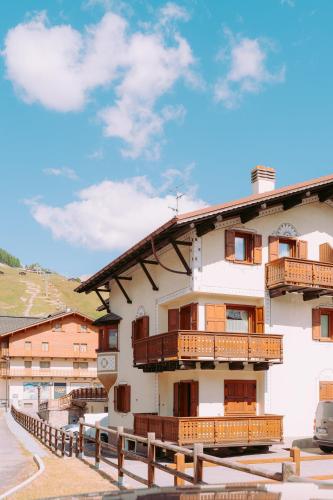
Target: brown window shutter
[
  {"x": 302, "y": 249},
  {"x": 134, "y": 331},
  {"x": 127, "y": 399},
  {"x": 273, "y": 248},
  {"x": 316, "y": 324},
  {"x": 257, "y": 249},
  {"x": 229, "y": 244},
  {"x": 145, "y": 326},
  {"x": 215, "y": 317},
  {"x": 176, "y": 399},
  {"x": 194, "y": 398},
  {"x": 173, "y": 320},
  {"x": 194, "y": 316},
  {"x": 259, "y": 320},
  {"x": 325, "y": 253},
  {"x": 115, "y": 398}
]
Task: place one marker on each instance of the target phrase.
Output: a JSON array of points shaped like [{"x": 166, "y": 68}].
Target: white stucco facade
[{"x": 290, "y": 389}]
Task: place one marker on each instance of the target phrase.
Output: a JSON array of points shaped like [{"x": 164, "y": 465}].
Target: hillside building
[
  {"x": 226, "y": 334},
  {"x": 46, "y": 358}
]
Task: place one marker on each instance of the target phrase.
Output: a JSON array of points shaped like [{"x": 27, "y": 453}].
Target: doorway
[{"x": 186, "y": 398}]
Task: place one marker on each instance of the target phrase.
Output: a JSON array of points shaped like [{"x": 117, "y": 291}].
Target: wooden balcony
[
  {"x": 4, "y": 352},
  {"x": 66, "y": 351},
  {"x": 212, "y": 431},
  {"x": 312, "y": 278},
  {"x": 171, "y": 349}
]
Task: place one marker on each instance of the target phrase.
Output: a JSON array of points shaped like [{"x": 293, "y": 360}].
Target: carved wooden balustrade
[
  {"x": 310, "y": 277},
  {"x": 80, "y": 395},
  {"x": 199, "y": 345},
  {"x": 211, "y": 430}
]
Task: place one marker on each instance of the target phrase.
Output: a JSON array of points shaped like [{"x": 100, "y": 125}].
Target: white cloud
[
  {"x": 248, "y": 71},
  {"x": 112, "y": 215},
  {"x": 289, "y": 3},
  {"x": 98, "y": 154},
  {"x": 61, "y": 172},
  {"x": 60, "y": 67}
]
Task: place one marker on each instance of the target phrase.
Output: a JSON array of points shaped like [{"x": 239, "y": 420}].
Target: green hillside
[{"x": 32, "y": 294}]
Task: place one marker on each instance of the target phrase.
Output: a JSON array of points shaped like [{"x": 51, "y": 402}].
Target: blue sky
[{"x": 107, "y": 107}]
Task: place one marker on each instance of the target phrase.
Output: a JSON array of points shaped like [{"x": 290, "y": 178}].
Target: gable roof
[
  {"x": 179, "y": 225},
  {"x": 14, "y": 324}
]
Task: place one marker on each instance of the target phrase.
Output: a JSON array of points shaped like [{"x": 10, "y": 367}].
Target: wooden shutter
[
  {"x": 229, "y": 244},
  {"x": 259, "y": 320},
  {"x": 176, "y": 399},
  {"x": 302, "y": 249},
  {"x": 215, "y": 317},
  {"x": 134, "y": 331},
  {"x": 194, "y": 391},
  {"x": 273, "y": 248},
  {"x": 257, "y": 249},
  {"x": 316, "y": 324},
  {"x": 145, "y": 326},
  {"x": 115, "y": 398},
  {"x": 194, "y": 316},
  {"x": 173, "y": 320},
  {"x": 126, "y": 399},
  {"x": 325, "y": 390},
  {"x": 240, "y": 397},
  {"x": 325, "y": 253}
]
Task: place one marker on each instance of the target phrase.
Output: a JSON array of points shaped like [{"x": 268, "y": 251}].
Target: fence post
[
  {"x": 97, "y": 445},
  {"x": 120, "y": 445},
  {"x": 151, "y": 452},
  {"x": 295, "y": 454},
  {"x": 50, "y": 437},
  {"x": 197, "y": 463},
  {"x": 70, "y": 452},
  {"x": 81, "y": 421},
  {"x": 180, "y": 466},
  {"x": 62, "y": 443},
  {"x": 56, "y": 440}
]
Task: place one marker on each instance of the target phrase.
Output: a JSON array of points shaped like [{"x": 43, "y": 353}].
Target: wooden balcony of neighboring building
[
  {"x": 289, "y": 274},
  {"x": 4, "y": 352},
  {"x": 181, "y": 349},
  {"x": 51, "y": 373},
  {"x": 212, "y": 431},
  {"x": 61, "y": 351},
  {"x": 75, "y": 397}
]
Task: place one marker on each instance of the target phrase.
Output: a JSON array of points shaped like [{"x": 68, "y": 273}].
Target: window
[
  {"x": 76, "y": 347},
  {"x": 57, "y": 327},
  {"x": 113, "y": 338},
  {"x": 242, "y": 247},
  {"x": 322, "y": 324},
  {"x": 27, "y": 346},
  {"x": 282, "y": 246},
  {"x": 186, "y": 398},
  {"x": 122, "y": 398},
  {"x": 80, "y": 365},
  {"x": 238, "y": 320},
  {"x": 185, "y": 318},
  {"x": 45, "y": 346},
  {"x": 83, "y": 347},
  {"x": 234, "y": 318},
  {"x": 27, "y": 364},
  {"x": 84, "y": 328},
  {"x": 44, "y": 365}
]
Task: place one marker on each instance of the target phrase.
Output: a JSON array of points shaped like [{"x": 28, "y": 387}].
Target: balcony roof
[{"x": 203, "y": 220}]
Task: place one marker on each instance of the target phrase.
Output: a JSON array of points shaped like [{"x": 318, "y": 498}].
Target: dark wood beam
[
  {"x": 152, "y": 262},
  {"x": 181, "y": 258},
  {"x": 184, "y": 243},
  {"x": 128, "y": 300},
  {"x": 125, "y": 278},
  {"x": 103, "y": 289},
  {"x": 204, "y": 228},
  {"x": 105, "y": 304},
  {"x": 258, "y": 367},
  {"x": 292, "y": 202},
  {"x": 316, "y": 294},
  {"x": 325, "y": 194},
  {"x": 250, "y": 214},
  {"x": 236, "y": 365},
  {"x": 147, "y": 273}
]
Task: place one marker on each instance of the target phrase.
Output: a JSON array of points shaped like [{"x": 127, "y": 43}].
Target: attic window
[{"x": 57, "y": 327}]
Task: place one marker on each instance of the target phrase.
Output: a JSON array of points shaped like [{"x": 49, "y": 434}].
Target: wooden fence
[{"x": 66, "y": 443}]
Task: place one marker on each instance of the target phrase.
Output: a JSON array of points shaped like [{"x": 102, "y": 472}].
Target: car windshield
[{"x": 325, "y": 409}]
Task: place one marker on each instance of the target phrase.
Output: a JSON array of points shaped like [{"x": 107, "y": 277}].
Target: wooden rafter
[
  {"x": 105, "y": 304},
  {"x": 188, "y": 270},
  {"x": 292, "y": 202},
  {"x": 249, "y": 214},
  {"x": 147, "y": 273},
  {"x": 181, "y": 258},
  {"x": 325, "y": 195},
  {"x": 128, "y": 300},
  {"x": 204, "y": 228}
]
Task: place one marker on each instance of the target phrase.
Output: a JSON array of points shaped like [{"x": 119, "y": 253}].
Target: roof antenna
[{"x": 178, "y": 195}]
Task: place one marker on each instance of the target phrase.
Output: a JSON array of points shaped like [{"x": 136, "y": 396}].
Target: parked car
[{"x": 323, "y": 426}]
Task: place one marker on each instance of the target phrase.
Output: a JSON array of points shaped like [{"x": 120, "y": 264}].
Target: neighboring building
[
  {"x": 227, "y": 319},
  {"x": 53, "y": 355}
]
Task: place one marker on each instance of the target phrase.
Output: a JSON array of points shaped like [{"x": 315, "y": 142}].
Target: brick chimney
[{"x": 263, "y": 179}]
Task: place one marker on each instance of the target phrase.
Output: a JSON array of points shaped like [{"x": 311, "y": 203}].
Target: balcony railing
[
  {"x": 4, "y": 352},
  {"x": 52, "y": 373},
  {"x": 211, "y": 430},
  {"x": 54, "y": 351},
  {"x": 198, "y": 345},
  {"x": 76, "y": 395},
  {"x": 306, "y": 276}
]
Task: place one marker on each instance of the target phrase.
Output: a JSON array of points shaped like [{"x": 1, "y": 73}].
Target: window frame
[
  {"x": 54, "y": 329},
  {"x": 290, "y": 241},
  {"x": 44, "y": 367},
  {"x": 251, "y": 310},
  {"x": 329, "y": 313},
  {"x": 249, "y": 247}
]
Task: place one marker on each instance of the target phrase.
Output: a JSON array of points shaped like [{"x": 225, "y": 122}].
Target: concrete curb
[{"x": 41, "y": 467}]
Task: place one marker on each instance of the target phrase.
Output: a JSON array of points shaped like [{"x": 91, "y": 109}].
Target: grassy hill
[{"x": 39, "y": 294}]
